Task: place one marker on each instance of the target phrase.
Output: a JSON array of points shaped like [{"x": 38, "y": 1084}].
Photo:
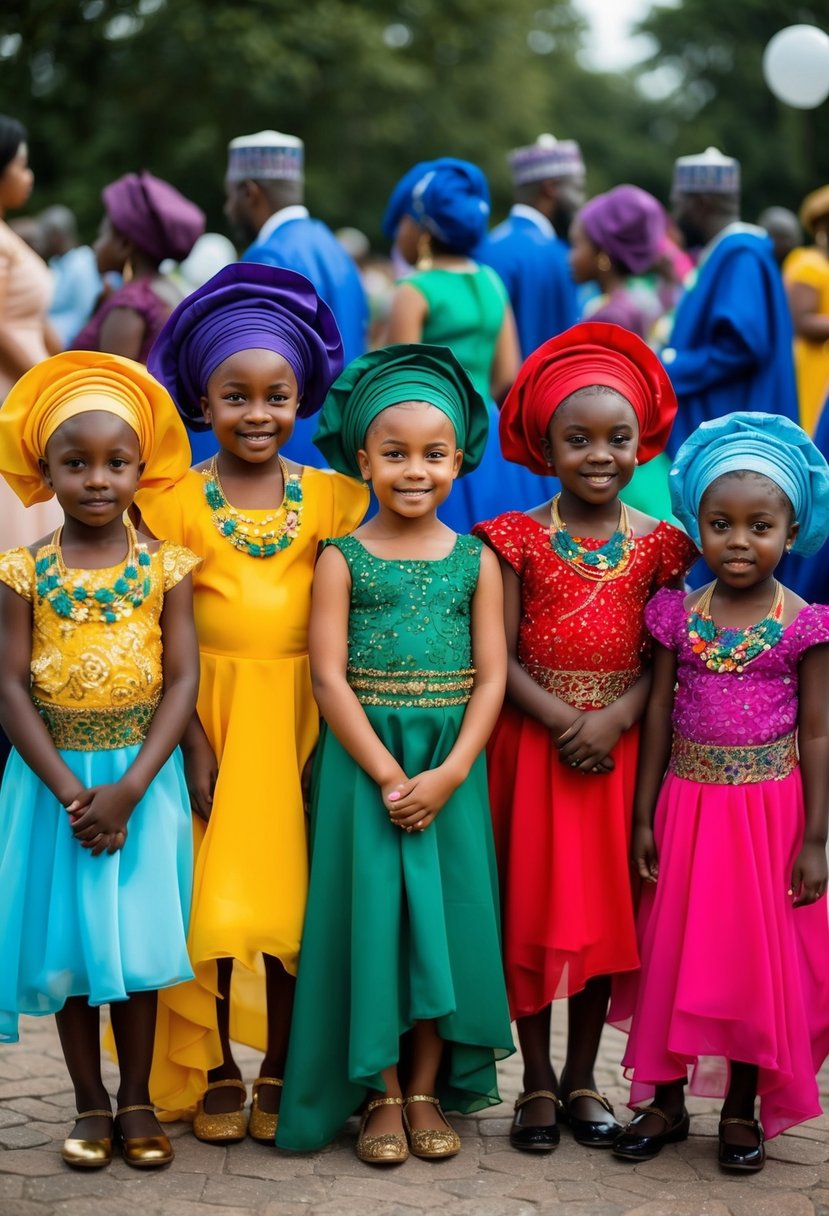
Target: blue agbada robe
[
  {"x": 536, "y": 274},
  {"x": 733, "y": 337},
  {"x": 809, "y": 576}
]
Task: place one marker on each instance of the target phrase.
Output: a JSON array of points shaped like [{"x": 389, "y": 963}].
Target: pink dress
[{"x": 730, "y": 969}]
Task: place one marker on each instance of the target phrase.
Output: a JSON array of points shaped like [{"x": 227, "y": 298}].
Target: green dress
[{"x": 399, "y": 926}]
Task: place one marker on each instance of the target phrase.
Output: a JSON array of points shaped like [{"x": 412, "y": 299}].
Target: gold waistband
[
  {"x": 97, "y": 730},
  {"x": 411, "y": 689},
  {"x": 585, "y": 689},
  {"x": 713, "y": 764}
]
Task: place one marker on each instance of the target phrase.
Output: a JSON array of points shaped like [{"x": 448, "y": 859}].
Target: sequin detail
[
  {"x": 411, "y": 689},
  {"x": 711, "y": 764},
  {"x": 93, "y": 730},
  {"x": 585, "y": 689}
]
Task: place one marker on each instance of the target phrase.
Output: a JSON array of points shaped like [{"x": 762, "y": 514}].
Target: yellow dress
[
  {"x": 811, "y": 359},
  {"x": 257, "y": 709}
]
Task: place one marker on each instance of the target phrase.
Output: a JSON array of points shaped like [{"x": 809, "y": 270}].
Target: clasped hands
[
  {"x": 589, "y": 739},
  {"x": 414, "y": 802},
  {"x": 98, "y": 817}
]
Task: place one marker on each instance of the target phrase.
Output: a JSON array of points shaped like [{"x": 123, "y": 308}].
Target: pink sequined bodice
[{"x": 734, "y": 709}]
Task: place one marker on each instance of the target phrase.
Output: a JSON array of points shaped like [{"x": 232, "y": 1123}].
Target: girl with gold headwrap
[{"x": 98, "y": 679}]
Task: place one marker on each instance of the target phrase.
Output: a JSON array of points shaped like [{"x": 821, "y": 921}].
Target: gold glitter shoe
[
  {"x": 222, "y": 1127},
  {"x": 381, "y": 1150},
  {"x": 88, "y": 1154},
  {"x": 143, "y": 1152},
  {"x": 429, "y": 1142},
  {"x": 262, "y": 1125}
]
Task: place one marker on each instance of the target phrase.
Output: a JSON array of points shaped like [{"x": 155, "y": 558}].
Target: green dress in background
[{"x": 399, "y": 927}]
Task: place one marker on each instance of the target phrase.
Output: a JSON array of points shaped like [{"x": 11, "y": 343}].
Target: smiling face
[
  {"x": 591, "y": 444},
  {"x": 746, "y": 525},
  {"x": 93, "y": 465},
  {"x": 411, "y": 458},
  {"x": 251, "y": 403}
]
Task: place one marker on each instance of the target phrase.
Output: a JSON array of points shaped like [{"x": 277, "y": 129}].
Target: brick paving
[{"x": 486, "y": 1179}]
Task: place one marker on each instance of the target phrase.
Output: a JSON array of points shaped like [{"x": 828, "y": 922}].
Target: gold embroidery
[
  {"x": 713, "y": 764},
  {"x": 585, "y": 689},
  {"x": 176, "y": 563},
  {"x": 411, "y": 689},
  {"x": 17, "y": 570},
  {"x": 90, "y": 730}
]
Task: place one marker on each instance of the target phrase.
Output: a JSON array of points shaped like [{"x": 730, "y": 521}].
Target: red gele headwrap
[{"x": 592, "y": 353}]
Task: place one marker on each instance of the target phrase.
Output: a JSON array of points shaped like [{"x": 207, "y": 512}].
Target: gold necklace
[
  {"x": 254, "y": 536},
  {"x": 609, "y": 561},
  {"x": 75, "y": 601}
]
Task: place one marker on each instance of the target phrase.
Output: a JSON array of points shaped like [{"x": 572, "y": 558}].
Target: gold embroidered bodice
[{"x": 91, "y": 665}]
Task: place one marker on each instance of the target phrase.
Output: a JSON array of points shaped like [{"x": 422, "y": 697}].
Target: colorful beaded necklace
[
  {"x": 255, "y": 536},
  {"x": 609, "y": 561},
  {"x": 730, "y": 649},
  {"x": 75, "y": 601}
]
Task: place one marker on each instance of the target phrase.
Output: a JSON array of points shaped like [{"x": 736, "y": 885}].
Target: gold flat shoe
[
  {"x": 262, "y": 1125},
  {"x": 143, "y": 1152},
  {"x": 222, "y": 1127},
  {"x": 88, "y": 1154},
  {"x": 389, "y": 1149},
  {"x": 430, "y": 1142}
]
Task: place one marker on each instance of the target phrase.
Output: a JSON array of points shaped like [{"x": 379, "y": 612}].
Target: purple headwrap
[
  {"x": 247, "y": 306},
  {"x": 153, "y": 215},
  {"x": 628, "y": 224}
]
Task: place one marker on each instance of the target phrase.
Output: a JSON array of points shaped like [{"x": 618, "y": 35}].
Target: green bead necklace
[
  {"x": 251, "y": 536},
  {"x": 75, "y": 601}
]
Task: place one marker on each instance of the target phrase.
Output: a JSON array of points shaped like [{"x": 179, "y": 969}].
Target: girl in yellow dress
[{"x": 246, "y": 354}]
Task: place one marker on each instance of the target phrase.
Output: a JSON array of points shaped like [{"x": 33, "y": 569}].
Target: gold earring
[
  {"x": 127, "y": 273},
  {"x": 425, "y": 261},
  {"x": 603, "y": 263}
]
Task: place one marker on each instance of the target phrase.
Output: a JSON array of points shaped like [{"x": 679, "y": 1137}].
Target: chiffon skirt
[
  {"x": 76, "y": 925},
  {"x": 399, "y": 927},
  {"x": 730, "y": 970}
]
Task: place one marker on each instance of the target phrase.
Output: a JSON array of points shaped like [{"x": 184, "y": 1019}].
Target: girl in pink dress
[{"x": 731, "y": 844}]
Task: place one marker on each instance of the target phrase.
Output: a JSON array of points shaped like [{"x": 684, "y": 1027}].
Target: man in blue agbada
[
  {"x": 529, "y": 249},
  {"x": 731, "y": 345}
]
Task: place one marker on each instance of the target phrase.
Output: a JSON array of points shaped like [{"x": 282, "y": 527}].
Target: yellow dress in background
[
  {"x": 257, "y": 709},
  {"x": 811, "y": 359}
]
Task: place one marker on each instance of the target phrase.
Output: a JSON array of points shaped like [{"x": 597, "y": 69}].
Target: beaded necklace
[
  {"x": 77, "y": 601},
  {"x": 609, "y": 561},
  {"x": 255, "y": 536},
  {"x": 730, "y": 649}
]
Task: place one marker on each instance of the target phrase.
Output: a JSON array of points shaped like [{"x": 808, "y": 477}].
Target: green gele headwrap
[{"x": 406, "y": 372}]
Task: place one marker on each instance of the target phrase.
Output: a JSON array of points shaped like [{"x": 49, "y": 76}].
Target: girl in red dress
[{"x": 588, "y": 405}]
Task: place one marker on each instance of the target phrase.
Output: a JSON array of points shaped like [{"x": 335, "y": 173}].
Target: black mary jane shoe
[
  {"x": 747, "y": 1158},
  {"x": 632, "y": 1145},
  {"x": 593, "y": 1133},
  {"x": 534, "y": 1138}
]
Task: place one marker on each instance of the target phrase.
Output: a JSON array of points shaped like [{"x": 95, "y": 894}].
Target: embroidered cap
[
  {"x": 268, "y": 155},
  {"x": 547, "y": 157},
  {"x": 707, "y": 172}
]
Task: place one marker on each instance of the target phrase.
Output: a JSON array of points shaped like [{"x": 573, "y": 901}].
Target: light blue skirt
[{"x": 76, "y": 925}]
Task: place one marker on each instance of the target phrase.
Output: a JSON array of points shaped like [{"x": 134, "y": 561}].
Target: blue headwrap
[
  {"x": 449, "y": 197},
  {"x": 768, "y": 444},
  {"x": 247, "y": 306}
]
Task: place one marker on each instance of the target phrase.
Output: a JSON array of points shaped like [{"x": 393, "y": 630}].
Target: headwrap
[
  {"x": 247, "y": 306},
  {"x": 593, "y": 353},
  {"x": 392, "y": 375},
  {"x": 153, "y": 215},
  {"x": 449, "y": 197},
  {"x": 768, "y": 444},
  {"x": 77, "y": 382},
  {"x": 814, "y": 207},
  {"x": 628, "y": 224}
]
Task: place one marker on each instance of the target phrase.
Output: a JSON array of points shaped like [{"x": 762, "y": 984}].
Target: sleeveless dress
[
  {"x": 466, "y": 311},
  {"x": 562, "y": 836},
  {"x": 400, "y": 926},
  {"x": 258, "y": 711},
  {"x": 72, "y": 924},
  {"x": 730, "y": 970}
]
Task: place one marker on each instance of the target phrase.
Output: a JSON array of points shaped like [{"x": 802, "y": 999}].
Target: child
[
  {"x": 408, "y": 663},
  {"x": 98, "y": 678},
  {"x": 245, "y": 354},
  {"x": 731, "y": 954},
  {"x": 587, "y": 405}
]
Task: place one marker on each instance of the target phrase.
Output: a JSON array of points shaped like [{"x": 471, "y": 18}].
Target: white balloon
[{"x": 796, "y": 66}]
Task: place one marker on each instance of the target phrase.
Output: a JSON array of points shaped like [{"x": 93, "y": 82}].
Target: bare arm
[
  {"x": 653, "y": 759},
  {"x": 507, "y": 358},
  {"x": 804, "y": 304},
  {"x": 809, "y": 871},
  {"x": 407, "y": 315},
  {"x": 122, "y": 333}
]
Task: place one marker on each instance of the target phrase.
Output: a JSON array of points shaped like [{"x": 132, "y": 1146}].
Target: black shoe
[
  {"x": 744, "y": 1157},
  {"x": 632, "y": 1145},
  {"x": 595, "y": 1133},
  {"x": 539, "y": 1138}
]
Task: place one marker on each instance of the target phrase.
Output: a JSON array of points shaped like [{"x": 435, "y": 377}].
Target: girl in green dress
[{"x": 408, "y": 661}]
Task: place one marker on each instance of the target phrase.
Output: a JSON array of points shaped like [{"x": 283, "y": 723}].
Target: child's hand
[
  {"x": 414, "y": 804},
  {"x": 590, "y": 739},
  {"x": 201, "y": 771},
  {"x": 643, "y": 853},
  {"x": 100, "y": 813},
  {"x": 305, "y": 780},
  {"x": 809, "y": 875}
]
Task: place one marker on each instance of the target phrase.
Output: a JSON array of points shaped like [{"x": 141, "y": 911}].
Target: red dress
[{"x": 562, "y": 836}]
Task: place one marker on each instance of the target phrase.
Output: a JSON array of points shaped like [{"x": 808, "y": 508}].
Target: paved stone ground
[{"x": 486, "y": 1179}]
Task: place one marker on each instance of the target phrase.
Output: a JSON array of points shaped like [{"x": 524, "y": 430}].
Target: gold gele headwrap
[{"x": 78, "y": 382}]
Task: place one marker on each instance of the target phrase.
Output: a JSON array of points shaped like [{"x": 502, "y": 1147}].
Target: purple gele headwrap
[
  {"x": 247, "y": 306},
  {"x": 628, "y": 224}
]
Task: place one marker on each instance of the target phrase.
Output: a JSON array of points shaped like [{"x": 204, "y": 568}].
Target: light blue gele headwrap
[{"x": 755, "y": 443}]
